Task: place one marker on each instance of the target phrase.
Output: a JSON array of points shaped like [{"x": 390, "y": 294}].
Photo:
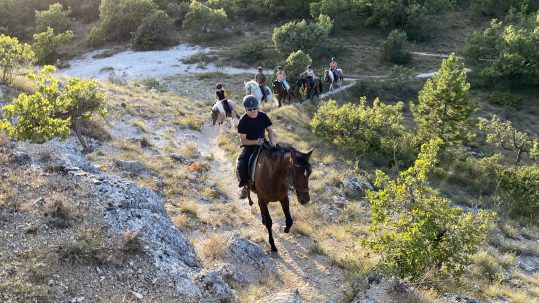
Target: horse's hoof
[
  {"x": 286, "y": 229},
  {"x": 274, "y": 250}
]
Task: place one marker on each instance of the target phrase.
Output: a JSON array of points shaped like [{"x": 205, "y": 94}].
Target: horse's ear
[{"x": 309, "y": 153}]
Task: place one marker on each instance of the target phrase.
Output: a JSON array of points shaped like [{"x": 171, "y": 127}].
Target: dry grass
[
  {"x": 130, "y": 242},
  {"x": 59, "y": 209},
  {"x": 84, "y": 248},
  {"x": 212, "y": 247},
  {"x": 190, "y": 150}
]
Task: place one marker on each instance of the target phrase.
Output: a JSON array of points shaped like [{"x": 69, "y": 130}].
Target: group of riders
[{"x": 254, "y": 123}]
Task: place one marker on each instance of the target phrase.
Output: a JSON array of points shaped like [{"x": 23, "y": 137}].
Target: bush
[
  {"x": 13, "y": 56},
  {"x": 505, "y": 99},
  {"x": 520, "y": 194},
  {"x": 294, "y": 36},
  {"x": 361, "y": 128},
  {"x": 86, "y": 10},
  {"x": 251, "y": 52},
  {"x": 416, "y": 231},
  {"x": 49, "y": 111},
  {"x": 204, "y": 22},
  {"x": 119, "y": 18},
  {"x": 96, "y": 37},
  {"x": 506, "y": 54},
  {"x": 156, "y": 31},
  {"x": 340, "y": 11},
  {"x": 240, "y": 8},
  {"x": 395, "y": 48},
  {"x": 46, "y": 45},
  {"x": 55, "y": 17},
  {"x": 290, "y": 9}
]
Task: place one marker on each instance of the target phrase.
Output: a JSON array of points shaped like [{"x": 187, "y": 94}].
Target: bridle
[{"x": 299, "y": 190}]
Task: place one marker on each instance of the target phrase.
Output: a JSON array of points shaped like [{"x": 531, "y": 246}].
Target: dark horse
[
  {"x": 280, "y": 92},
  {"x": 303, "y": 84},
  {"x": 277, "y": 170}
]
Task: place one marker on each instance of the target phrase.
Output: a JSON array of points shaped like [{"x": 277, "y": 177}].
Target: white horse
[
  {"x": 328, "y": 77},
  {"x": 218, "y": 114},
  {"x": 252, "y": 88}
]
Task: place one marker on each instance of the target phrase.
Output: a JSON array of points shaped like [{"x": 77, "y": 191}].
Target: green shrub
[
  {"x": 240, "y": 8},
  {"x": 290, "y": 9},
  {"x": 13, "y": 56},
  {"x": 520, "y": 194},
  {"x": 415, "y": 230},
  {"x": 203, "y": 22},
  {"x": 96, "y": 37},
  {"x": 156, "y": 31},
  {"x": 54, "y": 17},
  {"x": 505, "y": 99},
  {"x": 340, "y": 11},
  {"x": 49, "y": 111},
  {"x": 505, "y": 54},
  {"x": 47, "y": 44},
  {"x": 360, "y": 127},
  {"x": 251, "y": 52},
  {"x": 294, "y": 36},
  {"x": 119, "y": 18},
  {"x": 395, "y": 48}
]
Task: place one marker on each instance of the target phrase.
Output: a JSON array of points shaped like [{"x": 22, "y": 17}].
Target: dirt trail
[{"x": 311, "y": 274}]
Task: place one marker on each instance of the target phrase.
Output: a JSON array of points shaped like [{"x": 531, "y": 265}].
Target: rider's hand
[
  {"x": 260, "y": 141},
  {"x": 272, "y": 144}
]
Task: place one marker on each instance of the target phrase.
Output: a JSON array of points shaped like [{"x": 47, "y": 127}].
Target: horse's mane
[{"x": 279, "y": 151}]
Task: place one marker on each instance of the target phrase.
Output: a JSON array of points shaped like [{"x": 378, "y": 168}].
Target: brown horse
[
  {"x": 303, "y": 85},
  {"x": 277, "y": 170},
  {"x": 281, "y": 92}
]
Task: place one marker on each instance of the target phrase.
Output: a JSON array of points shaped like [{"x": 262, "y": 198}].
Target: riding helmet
[
  {"x": 309, "y": 66},
  {"x": 332, "y": 58},
  {"x": 259, "y": 69},
  {"x": 219, "y": 86},
  {"x": 250, "y": 101},
  {"x": 280, "y": 67}
]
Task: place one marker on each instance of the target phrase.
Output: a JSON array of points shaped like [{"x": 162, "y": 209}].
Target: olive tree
[
  {"x": 13, "y": 56},
  {"x": 294, "y": 36},
  {"x": 54, "y": 17}
]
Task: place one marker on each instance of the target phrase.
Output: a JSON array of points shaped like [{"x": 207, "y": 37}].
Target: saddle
[{"x": 253, "y": 160}]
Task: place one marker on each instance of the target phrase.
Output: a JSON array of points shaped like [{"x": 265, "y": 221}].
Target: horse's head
[
  {"x": 214, "y": 115},
  {"x": 275, "y": 85},
  {"x": 327, "y": 77},
  {"x": 301, "y": 173},
  {"x": 300, "y": 82}
]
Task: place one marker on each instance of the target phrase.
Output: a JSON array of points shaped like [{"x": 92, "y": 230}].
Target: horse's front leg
[
  {"x": 285, "y": 204},
  {"x": 266, "y": 220}
]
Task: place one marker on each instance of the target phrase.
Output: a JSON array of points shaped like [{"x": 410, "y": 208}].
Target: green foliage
[
  {"x": 360, "y": 127},
  {"x": 202, "y": 21},
  {"x": 498, "y": 8},
  {"x": 295, "y": 64},
  {"x": 85, "y": 10},
  {"x": 444, "y": 110},
  {"x": 506, "y": 54},
  {"x": 505, "y": 99},
  {"x": 252, "y": 9},
  {"x": 504, "y": 135},
  {"x": 119, "y": 18},
  {"x": 416, "y": 231},
  {"x": 46, "y": 45},
  {"x": 289, "y": 9},
  {"x": 96, "y": 37},
  {"x": 342, "y": 12},
  {"x": 251, "y": 52},
  {"x": 395, "y": 48},
  {"x": 13, "y": 56},
  {"x": 54, "y": 17},
  {"x": 520, "y": 187},
  {"x": 50, "y": 112},
  {"x": 156, "y": 31},
  {"x": 294, "y": 36}
]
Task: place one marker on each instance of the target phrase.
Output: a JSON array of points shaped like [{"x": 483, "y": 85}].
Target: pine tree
[{"x": 444, "y": 109}]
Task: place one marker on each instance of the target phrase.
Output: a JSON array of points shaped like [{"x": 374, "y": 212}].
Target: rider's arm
[
  {"x": 245, "y": 141},
  {"x": 271, "y": 135}
]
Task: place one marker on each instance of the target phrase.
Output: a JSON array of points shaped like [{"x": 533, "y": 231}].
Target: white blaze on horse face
[{"x": 305, "y": 173}]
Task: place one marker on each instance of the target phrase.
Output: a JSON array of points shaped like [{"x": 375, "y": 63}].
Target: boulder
[
  {"x": 215, "y": 288},
  {"x": 293, "y": 297}
]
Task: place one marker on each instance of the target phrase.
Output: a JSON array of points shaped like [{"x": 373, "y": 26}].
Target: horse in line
[
  {"x": 281, "y": 93},
  {"x": 303, "y": 85},
  {"x": 330, "y": 78},
  {"x": 218, "y": 114},
  {"x": 252, "y": 88},
  {"x": 277, "y": 170}
]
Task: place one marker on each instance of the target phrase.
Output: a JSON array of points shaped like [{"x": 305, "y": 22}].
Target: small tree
[
  {"x": 119, "y": 18},
  {"x": 504, "y": 135},
  {"x": 155, "y": 31},
  {"x": 13, "y": 56},
  {"x": 203, "y": 21},
  {"x": 46, "y": 45},
  {"x": 444, "y": 109},
  {"x": 294, "y": 36},
  {"x": 50, "y": 112},
  {"x": 395, "y": 48},
  {"x": 415, "y": 229},
  {"x": 54, "y": 17}
]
